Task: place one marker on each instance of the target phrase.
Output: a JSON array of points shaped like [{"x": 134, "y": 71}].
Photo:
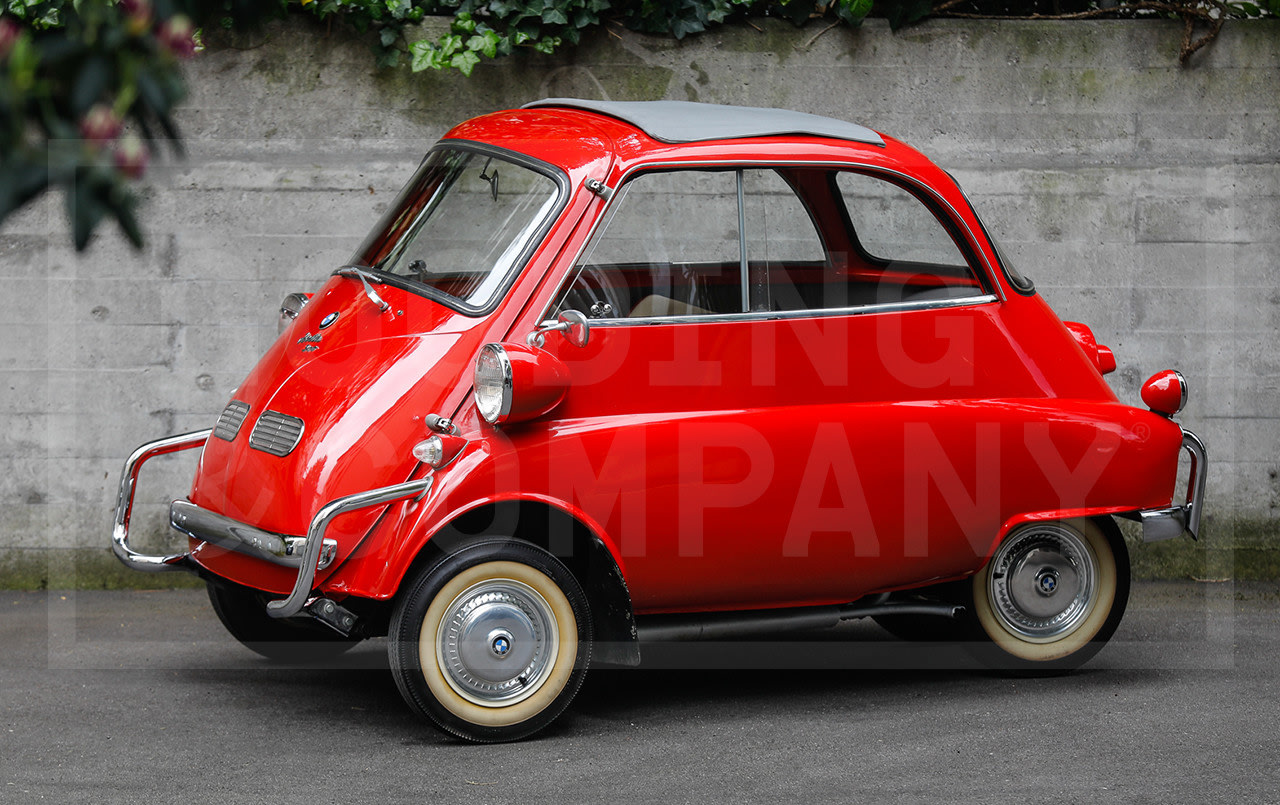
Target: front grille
[
  {"x": 276, "y": 433},
  {"x": 230, "y": 420}
]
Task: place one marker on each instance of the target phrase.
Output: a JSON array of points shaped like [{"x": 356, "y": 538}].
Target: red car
[{"x": 609, "y": 372}]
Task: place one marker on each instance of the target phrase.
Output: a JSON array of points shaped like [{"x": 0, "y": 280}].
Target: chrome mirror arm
[{"x": 572, "y": 323}]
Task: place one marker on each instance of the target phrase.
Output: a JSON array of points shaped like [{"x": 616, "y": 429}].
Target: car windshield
[{"x": 461, "y": 228}]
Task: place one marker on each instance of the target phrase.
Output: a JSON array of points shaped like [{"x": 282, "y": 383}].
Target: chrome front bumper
[
  {"x": 308, "y": 554},
  {"x": 1162, "y": 524}
]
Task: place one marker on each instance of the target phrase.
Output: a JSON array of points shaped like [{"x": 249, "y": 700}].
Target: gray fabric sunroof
[{"x": 687, "y": 122}]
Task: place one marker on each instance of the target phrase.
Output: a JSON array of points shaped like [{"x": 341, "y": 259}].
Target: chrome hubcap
[
  {"x": 497, "y": 642},
  {"x": 1043, "y": 582}
]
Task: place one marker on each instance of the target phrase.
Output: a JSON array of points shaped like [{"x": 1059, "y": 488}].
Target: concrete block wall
[{"x": 1143, "y": 198}]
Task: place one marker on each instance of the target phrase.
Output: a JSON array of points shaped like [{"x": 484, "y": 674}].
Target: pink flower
[
  {"x": 178, "y": 35},
  {"x": 9, "y": 33},
  {"x": 101, "y": 125},
  {"x": 137, "y": 15},
  {"x": 131, "y": 157}
]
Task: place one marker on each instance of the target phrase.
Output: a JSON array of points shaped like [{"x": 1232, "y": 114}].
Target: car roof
[{"x": 688, "y": 122}]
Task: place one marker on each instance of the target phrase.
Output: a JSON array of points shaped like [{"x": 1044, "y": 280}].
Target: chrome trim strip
[
  {"x": 933, "y": 304},
  {"x": 744, "y": 264},
  {"x": 1172, "y": 522},
  {"x": 220, "y": 530},
  {"x": 297, "y": 599},
  {"x": 124, "y": 502}
]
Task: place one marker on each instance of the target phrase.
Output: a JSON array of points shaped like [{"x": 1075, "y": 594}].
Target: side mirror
[{"x": 571, "y": 323}]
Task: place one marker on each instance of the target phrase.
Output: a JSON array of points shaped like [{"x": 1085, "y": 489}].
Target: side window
[
  {"x": 898, "y": 250},
  {"x": 781, "y": 240},
  {"x": 670, "y": 247},
  {"x": 680, "y": 243}
]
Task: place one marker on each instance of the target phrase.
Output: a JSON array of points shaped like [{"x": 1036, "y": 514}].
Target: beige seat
[{"x": 655, "y": 306}]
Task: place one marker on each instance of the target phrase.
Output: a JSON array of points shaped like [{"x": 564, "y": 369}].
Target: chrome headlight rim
[{"x": 495, "y": 412}]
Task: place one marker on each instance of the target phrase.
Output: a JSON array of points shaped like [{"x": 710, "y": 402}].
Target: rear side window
[{"x": 893, "y": 226}]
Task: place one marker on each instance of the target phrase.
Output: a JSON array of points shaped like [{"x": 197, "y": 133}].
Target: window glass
[
  {"x": 780, "y": 237},
  {"x": 461, "y": 226},
  {"x": 670, "y": 247},
  {"x": 893, "y": 226},
  {"x": 678, "y": 243}
]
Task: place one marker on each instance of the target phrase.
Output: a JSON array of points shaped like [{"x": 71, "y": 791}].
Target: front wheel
[
  {"x": 1051, "y": 596},
  {"x": 492, "y": 642}
]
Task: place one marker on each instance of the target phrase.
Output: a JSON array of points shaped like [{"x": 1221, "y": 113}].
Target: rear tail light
[{"x": 1165, "y": 392}]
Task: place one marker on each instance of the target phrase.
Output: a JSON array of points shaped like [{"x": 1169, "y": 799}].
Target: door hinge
[{"x": 599, "y": 188}]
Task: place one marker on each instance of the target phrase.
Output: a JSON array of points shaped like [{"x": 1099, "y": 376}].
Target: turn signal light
[
  {"x": 439, "y": 449},
  {"x": 1165, "y": 392}
]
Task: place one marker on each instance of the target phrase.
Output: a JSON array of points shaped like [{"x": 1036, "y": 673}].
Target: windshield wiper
[{"x": 365, "y": 277}]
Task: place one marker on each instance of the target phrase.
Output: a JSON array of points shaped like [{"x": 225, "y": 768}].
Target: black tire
[
  {"x": 244, "y": 612},
  {"x": 1051, "y": 596},
  {"x": 492, "y": 641}
]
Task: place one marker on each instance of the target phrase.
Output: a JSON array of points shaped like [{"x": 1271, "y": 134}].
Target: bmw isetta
[{"x": 613, "y": 372}]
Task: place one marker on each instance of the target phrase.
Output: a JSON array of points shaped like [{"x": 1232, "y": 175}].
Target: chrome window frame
[{"x": 996, "y": 294}]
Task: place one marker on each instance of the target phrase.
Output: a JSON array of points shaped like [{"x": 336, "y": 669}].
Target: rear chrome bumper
[
  {"x": 1162, "y": 524},
  {"x": 278, "y": 549},
  {"x": 308, "y": 554}
]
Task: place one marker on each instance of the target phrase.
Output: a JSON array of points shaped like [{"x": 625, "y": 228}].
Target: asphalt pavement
[{"x": 142, "y": 697}]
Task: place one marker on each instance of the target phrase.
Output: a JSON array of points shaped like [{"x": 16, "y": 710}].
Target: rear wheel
[
  {"x": 1051, "y": 596},
  {"x": 492, "y": 642},
  {"x": 244, "y": 612}
]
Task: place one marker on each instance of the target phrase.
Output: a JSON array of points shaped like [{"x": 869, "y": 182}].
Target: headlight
[{"x": 493, "y": 383}]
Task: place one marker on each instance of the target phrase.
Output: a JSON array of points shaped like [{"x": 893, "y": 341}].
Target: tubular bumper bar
[
  {"x": 308, "y": 554},
  {"x": 1162, "y": 524},
  {"x": 124, "y": 502}
]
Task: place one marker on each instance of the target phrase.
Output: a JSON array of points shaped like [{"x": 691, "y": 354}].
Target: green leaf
[
  {"x": 91, "y": 83},
  {"x": 463, "y": 24},
  {"x": 547, "y": 44},
  {"x": 84, "y": 208},
  {"x": 486, "y": 43},
  {"x": 465, "y": 62},
  {"x": 904, "y": 12},
  {"x": 426, "y": 56},
  {"x": 450, "y": 45},
  {"x": 853, "y": 11},
  {"x": 388, "y": 36},
  {"x": 123, "y": 210},
  {"x": 554, "y": 16}
]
